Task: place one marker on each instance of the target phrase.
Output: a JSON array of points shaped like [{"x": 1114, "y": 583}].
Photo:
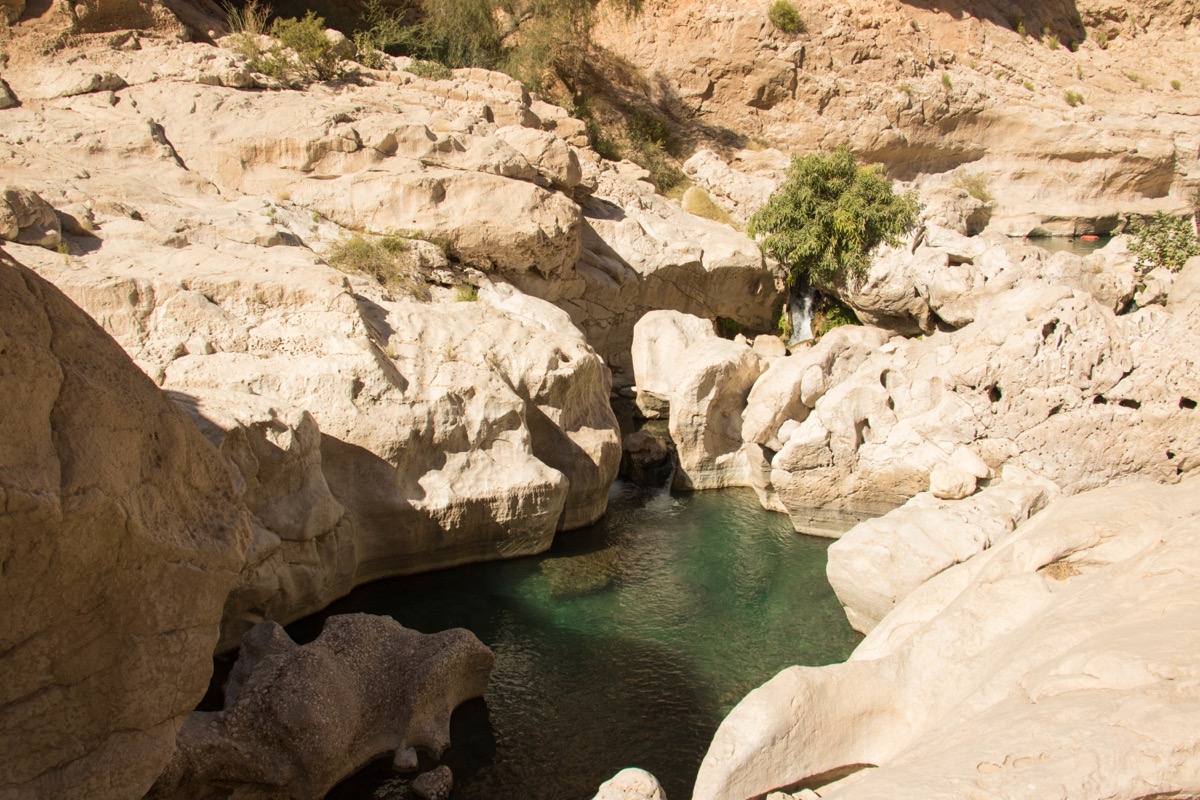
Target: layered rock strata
[
  {"x": 1063, "y": 117},
  {"x": 121, "y": 533}
]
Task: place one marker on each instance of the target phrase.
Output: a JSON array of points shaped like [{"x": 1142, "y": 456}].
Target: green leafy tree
[
  {"x": 1163, "y": 241},
  {"x": 828, "y": 216}
]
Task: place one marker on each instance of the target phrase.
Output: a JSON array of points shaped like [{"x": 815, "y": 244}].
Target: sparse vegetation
[
  {"x": 430, "y": 70},
  {"x": 1028, "y": 85},
  {"x": 1101, "y": 40},
  {"x": 466, "y": 293},
  {"x": 1079, "y": 71},
  {"x": 832, "y": 314},
  {"x": 529, "y": 39},
  {"x": 302, "y": 54},
  {"x": 975, "y": 184},
  {"x": 382, "y": 30},
  {"x": 697, "y": 201},
  {"x": 1138, "y": 79},
  {"x": 947, "y": 83},
  {"x": 784, "y": 16},
  {"x": 828, "y": 216},
  {"x": 1021, "y": 29},
  {"x": 1176, "y": 84},
  {"x": 248, "y": 18},
  {"x": 386, "y": 259},
  {"x": 1074, "y": 98},
  {"x": 1163, "y": 240},
  {"x": 1049, "y": 38}
]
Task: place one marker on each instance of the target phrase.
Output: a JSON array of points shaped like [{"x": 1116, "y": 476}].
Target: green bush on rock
[
  {"x": 1163, "y": 241},
  {"x": 784, "y": 16},
  {"x": 827, "y": 217}
]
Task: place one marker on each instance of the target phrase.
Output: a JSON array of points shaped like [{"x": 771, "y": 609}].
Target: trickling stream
[{"x": 625, "y": 645}]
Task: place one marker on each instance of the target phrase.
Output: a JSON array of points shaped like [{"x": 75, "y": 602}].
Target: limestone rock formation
[
  {"x": 631, "y": 783},
  {"x": 1063, "y": 660},
  {"x": 880, "y": 561},
  {"x": 27, "y": 218},
  {"x": 964, "y": 95},
  {"x": 705, "y": 380},
  {"x": 1186, "y": 288},
  {"x": 435, "y": 784},
  {"x": 120, "y": 535},
  {"x": 297, "y": 719}
]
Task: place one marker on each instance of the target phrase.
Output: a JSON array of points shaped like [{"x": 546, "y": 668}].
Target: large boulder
[
  {"x": 298, "y": 719},
  {"x": 1063, "y": 660},
  {"x": 706, "y": 380},
  {"x": 120, "y": 534},
  {"x": 26, "y": 218},
  {"x": 880, "y": 561}
]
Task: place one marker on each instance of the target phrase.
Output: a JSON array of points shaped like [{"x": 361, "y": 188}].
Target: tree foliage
[
  {"x": 828, "y": 216},
  {"x": 525, "y": 38},
  {"x": 1163, "y": 241}
]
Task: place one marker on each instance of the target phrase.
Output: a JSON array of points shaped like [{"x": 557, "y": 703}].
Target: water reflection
[{"x": 625, "y": 645}]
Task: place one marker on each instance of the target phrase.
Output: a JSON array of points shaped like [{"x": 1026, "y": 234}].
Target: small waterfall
[{"x": 800, "y": 308}]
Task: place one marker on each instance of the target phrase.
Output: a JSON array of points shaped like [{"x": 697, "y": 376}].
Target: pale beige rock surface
[
  {"x": 297, "y": 719},
  {"x": 946, "y": 94},
  {"x": 631, "y": 783},
  {"x": 705, "y": 380},
  {"x": 878, "y": 562},
  {"x": 1062, "y": 661},
  {"x": 120, "y": 535}
]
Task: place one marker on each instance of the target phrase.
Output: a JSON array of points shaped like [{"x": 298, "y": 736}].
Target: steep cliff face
[
  {"x": 946, "y": 92},
  {"x": 120, "y": 535}
]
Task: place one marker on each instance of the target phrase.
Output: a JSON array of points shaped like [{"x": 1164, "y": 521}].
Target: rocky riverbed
[{"x": 210, "y": 429}]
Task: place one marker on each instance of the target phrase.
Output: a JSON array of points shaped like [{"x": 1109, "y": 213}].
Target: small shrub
[
  {"x": 1102, "y": 40},
  {"x": 832, "y": 314},
  {"x": 430, "y": 70},
  {"x": 975, "y": 184},
  {"x": 697, "y": 201},
  {"x": 906, "y": 88},
  {"x": 249, "y": 18},
  {"x": 1176, "y": 84},
  {"x": 1028, "y": 85},
  {"x": 1021, "y": 29},
  {"x": 947, "y": 84},
  {"x": 306, "y": 38},
  {"x": 1049, "y": 38},
  {"x": 385, "y": 259},
  {"x": 466, "y": 293},
  {"x": 1163, "y": 241},
  {"x": 1079, "y": 71},
  {"x": 602, "y": 143},
  {"x": 384, "y": 29},
  {"x": 642, "y": 126},
  {"x": 1074, "y": 98},
  {"x": 784, "y": 16}
]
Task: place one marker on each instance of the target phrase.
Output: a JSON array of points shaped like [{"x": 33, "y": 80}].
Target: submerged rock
[{"x": 298, "y": 719}]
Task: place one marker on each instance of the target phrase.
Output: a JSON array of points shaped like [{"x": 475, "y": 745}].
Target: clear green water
[{"x": 625, "y": 645}]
